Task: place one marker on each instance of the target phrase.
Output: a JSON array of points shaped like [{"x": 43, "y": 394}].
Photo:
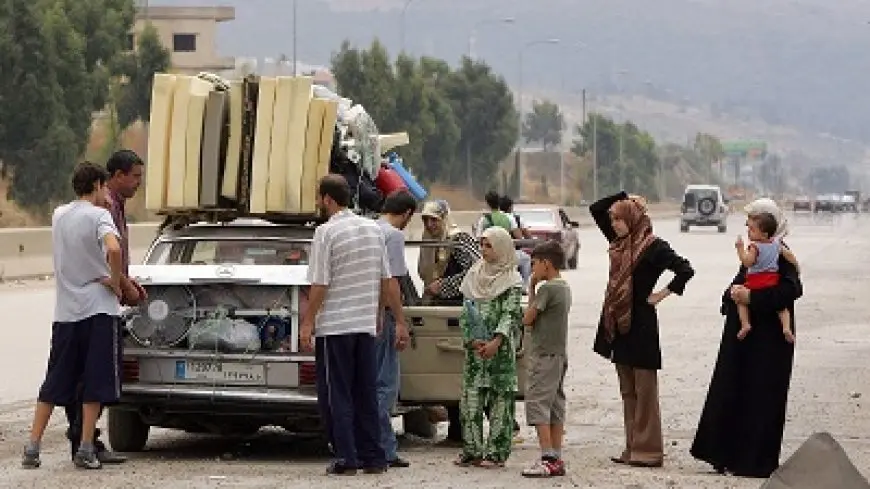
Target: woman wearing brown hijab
[{"x": 628, "y": 330}]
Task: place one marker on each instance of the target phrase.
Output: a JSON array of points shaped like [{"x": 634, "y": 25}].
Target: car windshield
[
  {"x": 232, "y": 251},
  {"x": 537, "y": 218}
]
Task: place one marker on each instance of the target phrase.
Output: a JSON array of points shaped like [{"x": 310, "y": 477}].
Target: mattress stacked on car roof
[{"x": 257, "y": 146}]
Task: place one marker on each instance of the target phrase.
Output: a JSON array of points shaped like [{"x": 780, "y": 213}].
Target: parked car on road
[
  {"x": 802, "y": 203},
  {"x": 703, "y": 205},
  {"x": 852, "y": 201},
  {"x": 826, "y": 203},
  {"x": 215, "y": 348},
  {"x": 551, "y": 223}
]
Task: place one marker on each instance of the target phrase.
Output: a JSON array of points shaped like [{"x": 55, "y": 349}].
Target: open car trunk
[{"x": 431, "y": 366}]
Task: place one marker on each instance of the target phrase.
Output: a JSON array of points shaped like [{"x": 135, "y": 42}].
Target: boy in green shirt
[{"x": 546, "y": 320}]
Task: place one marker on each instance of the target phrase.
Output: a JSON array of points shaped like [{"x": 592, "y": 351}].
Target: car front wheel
[{"x": 127, "y": 431}]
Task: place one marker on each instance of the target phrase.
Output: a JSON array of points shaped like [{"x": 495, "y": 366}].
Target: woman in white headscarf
[
  {"x": 740, "y": 431},
  {"x": 491, "y": 310}
]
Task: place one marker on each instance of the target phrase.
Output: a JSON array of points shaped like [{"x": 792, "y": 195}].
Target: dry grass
[
  {"x": 459, "y": 198},
  {"x": 11, "y": 216}
]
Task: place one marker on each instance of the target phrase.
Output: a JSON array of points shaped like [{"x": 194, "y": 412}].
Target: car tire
[
  {"x": 723, "y": 228},
  {"x": 684, "y": 228},
  {"x": 418, "y": 423},
  {"x": 707, "y": 206},
  {"x": 127, "y": 431}
]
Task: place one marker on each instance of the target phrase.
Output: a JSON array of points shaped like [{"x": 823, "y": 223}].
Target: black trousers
[
  {"x": 74, "y": 431},
  {"x": 347, "y": 397}
]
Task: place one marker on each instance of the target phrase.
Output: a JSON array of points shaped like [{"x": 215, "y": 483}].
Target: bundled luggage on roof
[{"x": 257, "y": 147}]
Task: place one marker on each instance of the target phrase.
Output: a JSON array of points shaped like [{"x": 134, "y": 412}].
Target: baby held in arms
[{"x": 761, "y": 259}]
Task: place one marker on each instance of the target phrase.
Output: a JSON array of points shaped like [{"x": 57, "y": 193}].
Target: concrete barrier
[{"x": 27, "y": 252}]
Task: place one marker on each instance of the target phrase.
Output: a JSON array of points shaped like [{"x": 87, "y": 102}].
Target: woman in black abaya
[{"x": 741, "y": 426}]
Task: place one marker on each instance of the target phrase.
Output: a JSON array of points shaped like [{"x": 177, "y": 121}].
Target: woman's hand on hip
[
  {"x": 740, "y": 294},
  {"x": 656, "y": 297}
]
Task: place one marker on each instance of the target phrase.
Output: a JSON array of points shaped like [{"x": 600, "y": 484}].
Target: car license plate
[{"x": 221, "y": 372}]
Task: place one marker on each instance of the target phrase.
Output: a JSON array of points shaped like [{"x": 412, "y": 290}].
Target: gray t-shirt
[
  {"x": 395, "y": 244},
  {"x": 550, "y": 331},
  {"x": 77, "y": 232}
]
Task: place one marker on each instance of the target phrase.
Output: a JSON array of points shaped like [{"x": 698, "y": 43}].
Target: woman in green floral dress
[{"x": 490, "y": 315}]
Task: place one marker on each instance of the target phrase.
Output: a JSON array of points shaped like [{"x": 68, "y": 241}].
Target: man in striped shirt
[{"x": 347, "y": 270}]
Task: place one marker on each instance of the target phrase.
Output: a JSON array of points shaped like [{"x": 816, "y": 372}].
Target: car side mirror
[{"x": 574, "y": 224}]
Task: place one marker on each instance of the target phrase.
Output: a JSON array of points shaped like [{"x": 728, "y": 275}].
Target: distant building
[{"x": 190, "y": 34}]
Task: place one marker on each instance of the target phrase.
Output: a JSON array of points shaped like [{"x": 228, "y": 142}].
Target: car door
[{"x": 431, "y": 365}]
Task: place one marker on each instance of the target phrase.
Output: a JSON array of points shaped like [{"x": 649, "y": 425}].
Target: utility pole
[{"x": 595, "y": 157}]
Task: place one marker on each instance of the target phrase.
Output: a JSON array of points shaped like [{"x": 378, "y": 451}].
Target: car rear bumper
[
  {"x": 703, "y": 221},
  {"x": 170, "y": 398}
]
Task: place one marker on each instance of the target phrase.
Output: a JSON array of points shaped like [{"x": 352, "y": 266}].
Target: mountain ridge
[{"x": 799, "y": 63}]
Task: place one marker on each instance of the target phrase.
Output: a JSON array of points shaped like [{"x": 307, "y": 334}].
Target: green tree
[
  {"x": 456, "y": 120},
  {"x": 104, "y": 26},
  {"x": 639, "y": 165},
  {"x": 606, "y": 133},
  {"x": 55, "y": 55},
  {"x": 486, "y": 116},
  {"x": 544, "y": 124},
  {"x": 31, "y": 101},
  {"x": 709, "y": 150},
  {"x": 138, "y": 68},
  {"x": 45, "y": 176},
  {"x": 76, "y": 83},
  {"x": 367, "y": 77},
  {"x": 399, "y": 97}
]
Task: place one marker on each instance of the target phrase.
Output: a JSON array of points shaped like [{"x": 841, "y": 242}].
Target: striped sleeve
[{"x": 319, "y": 258}]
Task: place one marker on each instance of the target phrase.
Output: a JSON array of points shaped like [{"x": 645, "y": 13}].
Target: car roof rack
[{"x": 176, "y": 219}]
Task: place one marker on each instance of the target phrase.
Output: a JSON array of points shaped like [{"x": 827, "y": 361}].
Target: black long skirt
[{"x": 742, "y": 423}]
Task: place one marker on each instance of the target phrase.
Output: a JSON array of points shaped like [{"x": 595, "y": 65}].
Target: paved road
[{"x": 829, "y": 390}]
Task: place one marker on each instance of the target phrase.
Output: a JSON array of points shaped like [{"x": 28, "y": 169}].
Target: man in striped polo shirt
[{"x": 347, "y": 271}]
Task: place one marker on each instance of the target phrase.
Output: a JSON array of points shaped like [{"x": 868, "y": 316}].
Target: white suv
[{"x": 703, "y": 205}]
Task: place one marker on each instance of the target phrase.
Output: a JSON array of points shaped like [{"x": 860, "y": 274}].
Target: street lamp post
[
  {"x": 595, "y": 158},
  {"x": 518, "y": 171},
  {"x": 578, "y": 46}
]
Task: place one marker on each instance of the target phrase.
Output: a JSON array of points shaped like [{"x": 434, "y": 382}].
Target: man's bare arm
[
  {"x": 115, "y": 258},
  {"x": 391, "y": 296},
  {"x": 316, "y": 295}
]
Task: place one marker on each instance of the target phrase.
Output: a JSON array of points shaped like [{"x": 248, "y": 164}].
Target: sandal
[
  {"x": 468, "y": 461},
  {"x": 490, "y": 463}
]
